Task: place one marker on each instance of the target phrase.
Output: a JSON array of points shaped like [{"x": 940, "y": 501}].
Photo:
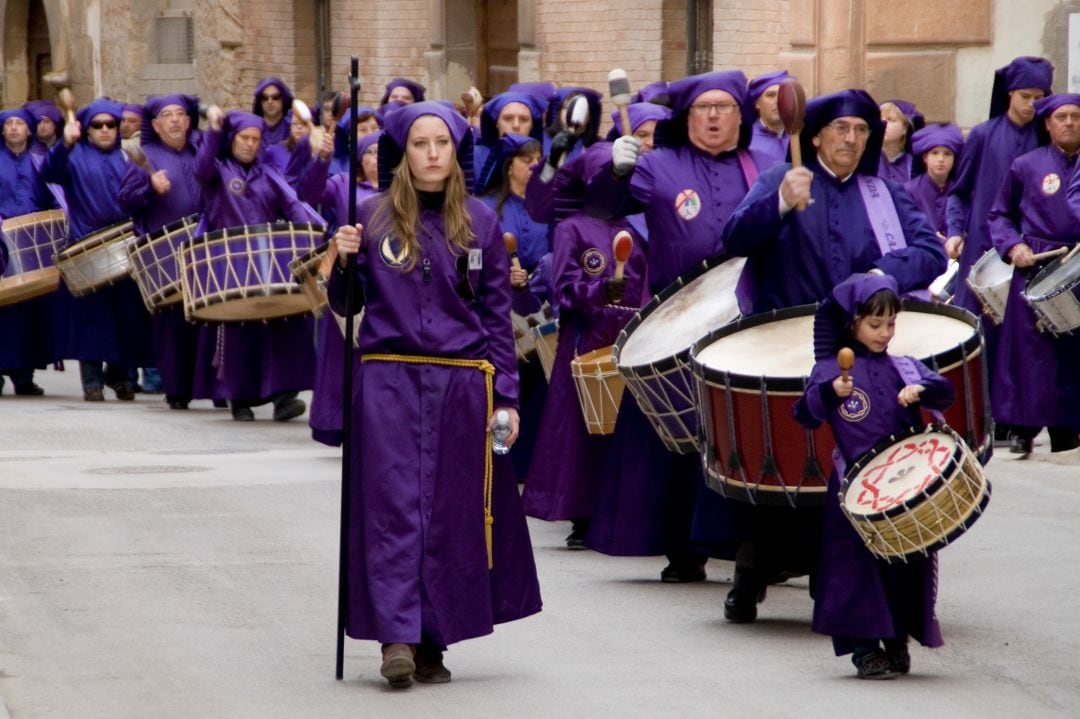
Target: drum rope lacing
[{"x": 489, "y": 376}]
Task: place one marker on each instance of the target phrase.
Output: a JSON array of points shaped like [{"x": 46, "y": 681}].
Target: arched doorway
[
  {"x": 27, "y": 51},
  {"x": 481, "y": 45}
]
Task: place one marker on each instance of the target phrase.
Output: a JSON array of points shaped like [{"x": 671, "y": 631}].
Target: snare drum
[
  {"x": 989, "y": 280},
  {"x": 942, "y": 288},
  {"x": 599, "y": 387},
  {"x": 914, "y": 493},
  {"x": 32, "y": 241},
  {"x": 653, "y": 350},
  {"x": 154, "y": 264},
  {"x": 750, "y": 374},
  {"x": 546, "y": 341},
  {"x": 524, "y": 339},
  {"x": 240, "y": 274},
  {"x": 1054, "y": 295},
  {"x": 97, "y": 260}
]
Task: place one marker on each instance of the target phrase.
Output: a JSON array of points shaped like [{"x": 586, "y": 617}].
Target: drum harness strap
[{"x": 489, "y": 374}]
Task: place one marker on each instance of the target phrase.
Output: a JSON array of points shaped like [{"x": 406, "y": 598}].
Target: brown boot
[
  {"x": 429, "y": 666},
  {"x": 398, "y": 665}
]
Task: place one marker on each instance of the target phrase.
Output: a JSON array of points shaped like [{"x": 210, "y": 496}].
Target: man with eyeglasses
[
  {"x": 699, "y": 170},
  {"x": 26, "y": 328},
  {"x": 159, "y": 195},
  {"x": 804, "y": 230},
  {"x": 990, "y": 148},
  {"x": 1037, "y": 380},
  {"x": 273, "y": 99},
  {"x": 770, "y": 138},
  {"x": 111, "y": 325}
]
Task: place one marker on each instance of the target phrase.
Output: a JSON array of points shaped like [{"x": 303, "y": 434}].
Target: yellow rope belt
[{"x": 489, "y": 373}]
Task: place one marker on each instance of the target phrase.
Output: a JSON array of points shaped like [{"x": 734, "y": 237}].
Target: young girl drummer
[{"x": 868, "y": 607}]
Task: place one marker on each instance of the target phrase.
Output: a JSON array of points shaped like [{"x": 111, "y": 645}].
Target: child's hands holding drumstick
[{"x": 842, "y": 385}]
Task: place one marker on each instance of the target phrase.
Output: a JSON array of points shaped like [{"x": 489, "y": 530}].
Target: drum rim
[
  {"x": 51, "y": 215},
  {"x": 1047, "y": 270},
  {"x": 166, "y": 230},
  {"x": 958, "y": 531},
  {"x": 671, "y": 361},
  {"x": 264, "y": 227},
  {"x": 954, "y": 463},
  {"x": 969, "y": 348},
  {"x": 96, "y": 239},
  {"x": 308, "y": 258}
]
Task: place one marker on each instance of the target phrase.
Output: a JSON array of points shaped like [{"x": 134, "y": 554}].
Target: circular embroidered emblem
[
  {"x": 237, "y": 185},
  {"x": 1051, "y": 184},
  {"x": 688, "y": 204},
  {"x": 856, "y": 407},
  {"x": 593, "y": 261},
  {"x": 392, "y": 252}
]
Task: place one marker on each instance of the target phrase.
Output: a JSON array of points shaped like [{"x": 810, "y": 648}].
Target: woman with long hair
[{"x": 438, "y": 549}]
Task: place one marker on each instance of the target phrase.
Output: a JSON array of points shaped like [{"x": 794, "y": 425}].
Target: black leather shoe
[
  {"x": 94, "y": 394},
  {"x": 875, "y": 666},
  {"x": 124, "y": 392},
  {"x": 243, "y": 414},
  {"x": 1019, "y": 445},
  {"x": 740, "y": 605},
  {"x": 682, "y": 573},
  {"x": 177, "y": 404},
  {"x": 896, "y": 652},
  {"x": 289, "y": 409},
  {"x": 30, "y": 389}
]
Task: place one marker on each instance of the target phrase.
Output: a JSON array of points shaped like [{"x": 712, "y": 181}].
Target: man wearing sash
[
  {"x": 804, "y": 230},
  {"x": 158, "y": 195}
]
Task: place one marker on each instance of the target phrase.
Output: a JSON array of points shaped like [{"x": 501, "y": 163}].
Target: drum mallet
[
  {"x": 511, "y": 246},
  {"x": 621, "y": 247},
  {"x": 845, "y": 358},
  {"x": 619, "y": 91},
  {"x": 315, "y": 132},
  {"x": 1049, "y": 253},
  {"x": 65, "y": 100},
  {"x": 791, "y": 103},
  {"x": 132, "y": 147}
]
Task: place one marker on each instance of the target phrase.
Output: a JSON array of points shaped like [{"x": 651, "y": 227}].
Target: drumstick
[
  {"x": 511, "y": 246},
  {"x": 65, "y": 100},
  {"x": 619, "y": 91},
  {"x": 301, "y": 110},
  {"x": 1072, "y": 253},
  {"x": 791, "y": 103},
  {"x": 621, "y": 247},
  {"x": 846, "y": 359},
  {"x": 1049, "y": 253},
  {"x": 133, "y": 149}
]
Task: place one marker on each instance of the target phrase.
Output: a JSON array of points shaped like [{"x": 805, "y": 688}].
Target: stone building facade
[{"x": 939, "y": 55}]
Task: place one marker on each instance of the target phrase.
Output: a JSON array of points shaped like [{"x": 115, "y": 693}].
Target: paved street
[{"x": 156, "y": 563}]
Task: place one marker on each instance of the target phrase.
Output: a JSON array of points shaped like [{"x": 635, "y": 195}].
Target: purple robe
[
  {"x": 990, "y": 148},
  {"x": 771, "y": 148},
  {"x": 532, "y": 236},
  {"x": 112, "y": 324},
  {"x": 797, "y": 258},
  {"x": 932, "y": 200},
  {"x": 859, "y": 596},
  {"x": 897, "y": 169},
  {"x": 176, "y": 341},
  {"x": 568, "y": 462},
  {"x": 416, "y": 552},
  {"x": 1036, "y": 380},
  {"x": 253, "y": 361}
]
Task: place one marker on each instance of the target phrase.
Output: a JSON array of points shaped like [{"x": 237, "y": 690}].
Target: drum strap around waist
[
  {"x": 910, "y": 374},
  {"x": 489, "y": 374}
]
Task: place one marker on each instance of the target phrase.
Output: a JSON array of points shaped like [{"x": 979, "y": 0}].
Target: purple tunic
[
  {"x": 568, "y": 462},
  {"x": 253, "y": 361},
  {"x": 111, "y": 324},
  {"x": 859, "y": 596},
  {"x": 932, "y": 200},
  {"x": 1037, "y": 377},
  {"x": 897, "y": 169},
  {"x": 770, "y": 147},
  {"x": 799, "y": 257},
  {"x": 989, "y": 151},
  {"x": 416, "y": 551},
  {"x": 532, "y": 236}
]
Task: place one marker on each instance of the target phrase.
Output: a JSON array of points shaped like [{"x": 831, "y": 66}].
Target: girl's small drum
[
  {"x": 154, "y": 264},
  {"x": 989, "y": 280},
  {"x": 97, "y": 260},
  {"x": 32, "y": 241},
  {"x": 914, "y": 493},
  {"x": 600, "y": 387},
  {"x": 1054, "y": 295}
]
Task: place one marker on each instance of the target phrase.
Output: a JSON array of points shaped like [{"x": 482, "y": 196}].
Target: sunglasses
[
  {"x": 103, "y": 124},
  {"x": 265, "y": 98}
]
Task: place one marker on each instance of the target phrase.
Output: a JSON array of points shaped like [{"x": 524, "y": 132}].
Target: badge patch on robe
[
  {"x": 476, "y": 259},
  {"x": 593, "y": 261},
  {"x": 688, "y": 204},
  {"x": 392, "y": 252},
  {"x": 1051, "y": 184},
  {"x": 237, "y": 185},
  {"x": 856, "y": 407}
]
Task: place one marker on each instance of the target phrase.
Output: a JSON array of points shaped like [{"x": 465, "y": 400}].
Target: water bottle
[{"x": 500, "y": 432}]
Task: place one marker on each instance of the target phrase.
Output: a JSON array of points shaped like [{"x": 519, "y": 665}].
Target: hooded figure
[
  {"x": 850, "y": 218},
  {"x": 931, "y": 197},
  {"x": 279, "y": 131},
  {"x": 898, "y": 168},
  {"x": 770, "y": 139},
  {"x": 863, "y": 602},
  {"x": 414, "y": 88},
  {"x": 420, "y": 574},
  {"x": 1036, "y": 383},
  {"x": 489, "y": 122}
]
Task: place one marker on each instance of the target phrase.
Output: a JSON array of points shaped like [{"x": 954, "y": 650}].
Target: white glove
[{"x": 624, "y": 154}]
